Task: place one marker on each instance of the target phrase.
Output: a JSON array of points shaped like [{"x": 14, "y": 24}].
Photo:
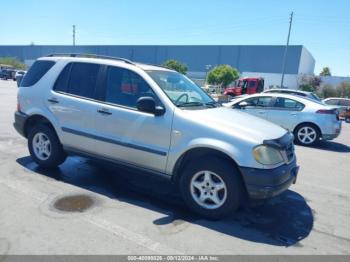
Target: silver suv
[{"x": 154, "y": 120}]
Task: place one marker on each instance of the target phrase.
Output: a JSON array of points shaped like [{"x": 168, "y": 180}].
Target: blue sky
[{"x": 322, "y": 26}]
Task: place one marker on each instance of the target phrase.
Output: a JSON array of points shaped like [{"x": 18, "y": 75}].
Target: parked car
[
  {"x": 247, "y": 85},
  {"x": 343, "y": 105},
  {"x": 19, "y": 76},
  {"x": 210, "y": 89},
  {"x": 154, "y": 120},
  {"x": 308, "y": 119},
  {"x": 309, "y": 95},
  {"x": 19, "y": 73},
  {"x": 7, "y": 74}
]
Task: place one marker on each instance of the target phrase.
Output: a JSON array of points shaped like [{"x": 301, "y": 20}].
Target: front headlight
[{"x": 267, "y": 155}]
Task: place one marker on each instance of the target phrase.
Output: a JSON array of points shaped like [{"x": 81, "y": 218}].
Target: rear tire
[
  {"x": 307, "y": 135},
  {"x": 45, "y": 147},
  {"x": 211, "y": 187}
]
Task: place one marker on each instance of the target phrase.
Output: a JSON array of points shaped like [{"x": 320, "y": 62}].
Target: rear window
[{"x": 36, "y": 72}]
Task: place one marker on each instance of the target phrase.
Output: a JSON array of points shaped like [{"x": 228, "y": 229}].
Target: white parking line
[{"x": 139, "y": 239}]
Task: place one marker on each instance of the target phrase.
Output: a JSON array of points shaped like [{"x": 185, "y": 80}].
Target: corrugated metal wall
[{"x": 265, "y": 59}]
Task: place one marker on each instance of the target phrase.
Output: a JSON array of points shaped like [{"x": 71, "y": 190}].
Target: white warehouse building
[{"x": 250, "y": 60}]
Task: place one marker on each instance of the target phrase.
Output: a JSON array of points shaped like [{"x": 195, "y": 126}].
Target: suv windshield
[{"x": 181, "y": 90}]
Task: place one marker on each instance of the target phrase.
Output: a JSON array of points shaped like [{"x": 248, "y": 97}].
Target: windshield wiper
[
  {"x": 188, "y": 104},
  {"x": 213, "y": 104}
]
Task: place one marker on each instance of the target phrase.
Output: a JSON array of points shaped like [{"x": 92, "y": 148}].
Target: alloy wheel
[
  {"x": 307, "y": 135},
  {"x": 41, "y": 146},
  {"x": 208, "y": 190}
]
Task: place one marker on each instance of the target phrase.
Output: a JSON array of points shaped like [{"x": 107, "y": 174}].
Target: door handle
[
  {"x": 104, "y": 111},
  {"x": 53, "y": 100}
]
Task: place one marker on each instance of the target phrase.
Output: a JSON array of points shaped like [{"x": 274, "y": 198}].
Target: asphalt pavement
[{"x": 130, "y": 213}]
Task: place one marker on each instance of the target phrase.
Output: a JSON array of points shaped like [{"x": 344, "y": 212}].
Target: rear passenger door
[
  {"x": 286, "y": 112},
  {"x": 126, "y": 134},
  {"x": 72, "y": 101}
]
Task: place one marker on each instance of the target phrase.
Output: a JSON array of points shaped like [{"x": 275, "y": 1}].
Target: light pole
[
  {"x": 286, "y": 50},
  {"x": 207, "y": 68},
  {"x": 73, "y": 35}
]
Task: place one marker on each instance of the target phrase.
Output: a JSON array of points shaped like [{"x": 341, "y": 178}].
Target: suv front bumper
[
  {"x": 267, "y": 183},
  {"x": 20, "y": 120}
]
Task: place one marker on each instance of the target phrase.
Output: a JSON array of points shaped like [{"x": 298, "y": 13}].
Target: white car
[
  {"x": 19, "y": 76},
  {"x": 308, "y": 119},
  {"x": 301, "y": 93}
]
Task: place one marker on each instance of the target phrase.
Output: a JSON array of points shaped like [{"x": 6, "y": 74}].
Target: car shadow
[
  {"x": 282, "y": 221},
  {"x": 333, "y": 146}
]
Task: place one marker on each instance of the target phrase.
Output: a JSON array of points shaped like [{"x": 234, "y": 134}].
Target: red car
[{"x": 247, "y": 85}]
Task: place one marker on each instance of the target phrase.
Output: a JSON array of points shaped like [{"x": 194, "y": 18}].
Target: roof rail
[{"x": 90, "y": 56}]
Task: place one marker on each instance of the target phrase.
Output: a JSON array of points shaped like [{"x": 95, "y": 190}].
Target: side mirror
[
  {"x": 147, "y": 104},
  {"x": 243, "y": 104}
]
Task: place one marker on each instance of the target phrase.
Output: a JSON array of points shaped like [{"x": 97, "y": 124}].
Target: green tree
[
  {"x": 310, "y": 83},
  {"x": 222, "y": 75},
  {"x": 13, "y": 61},
  {"x": 343, "y": 90},
  {"x": 326, "y": 71},
  {"x": 328, "y": 91},
  {"x": 307, "y": 87},
  {"x": 176, "y": 65}
]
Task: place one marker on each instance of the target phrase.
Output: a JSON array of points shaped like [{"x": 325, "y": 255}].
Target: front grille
[{"x": 290, "y": 152}]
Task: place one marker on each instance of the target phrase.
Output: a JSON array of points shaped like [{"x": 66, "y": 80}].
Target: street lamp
[{"x": 207, "y": 68}]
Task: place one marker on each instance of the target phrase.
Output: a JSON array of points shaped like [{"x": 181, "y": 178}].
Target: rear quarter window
[{"x": 36, "y": 72}]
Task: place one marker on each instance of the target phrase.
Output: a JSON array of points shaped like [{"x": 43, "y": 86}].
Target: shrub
[
  {"x": 13, "y": 61},
  {"x": 343, "y": 90},
  {"x": 176, "y": 65},
  {"x": 222, "y": 75}
]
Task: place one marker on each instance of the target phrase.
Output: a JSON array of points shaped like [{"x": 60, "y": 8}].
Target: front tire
[
  {"x": 45, "y": 147},
  {"x": 307, "y": 135},
  {"x": 211, "y": 187}
]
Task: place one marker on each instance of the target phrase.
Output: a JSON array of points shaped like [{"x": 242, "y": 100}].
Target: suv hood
[{"x": 236, "y": 123}]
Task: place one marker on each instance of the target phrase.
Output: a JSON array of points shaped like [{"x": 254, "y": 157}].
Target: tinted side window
[
  {"x": 344, "y": 102},
  {"x": 259, "y": 101},
  {"x": 124, "y": 87},
  {"x": 252, "y": 83},
  {"x": 332, "y": 102},
  {"x": 286, "y": 103},
  {"x": 264, "y": 101},
  {"x": 83, "y": 79},
  {"x": 62, "y": 80},
  {"x": 36, "y": 72}
]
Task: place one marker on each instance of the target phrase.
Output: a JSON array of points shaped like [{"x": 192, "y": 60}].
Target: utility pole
[
  {"x": 73, "y": 35},
  {"x": 286, "y": 49}
]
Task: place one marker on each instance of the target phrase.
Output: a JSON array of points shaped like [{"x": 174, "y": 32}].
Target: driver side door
[{"x": 126, "y": 134}]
